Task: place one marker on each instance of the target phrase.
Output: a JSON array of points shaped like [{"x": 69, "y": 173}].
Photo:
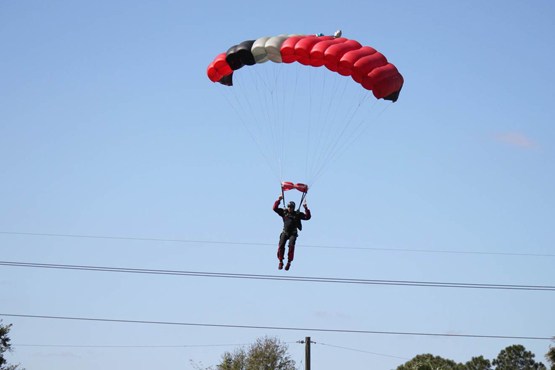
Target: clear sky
[{"x": 117, "y": 151}]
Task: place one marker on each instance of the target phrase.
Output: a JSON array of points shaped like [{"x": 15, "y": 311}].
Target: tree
[
  {"x": 265, "y": 354},
  {"x": 430, "y": 362},
  {"x": 516, "y": 357},
  {"x": 234, "y": 361},
  {"x": 478, "y": 363},
  {"x": 550, "y": 357},
  {"x": 5, "y": 346}
]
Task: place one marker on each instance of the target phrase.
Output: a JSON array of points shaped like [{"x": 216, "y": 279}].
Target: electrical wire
[
  {"x": 127, "y": 346},
  {"x": 360, "y": 350},
  {"x": 227, "y": 275},
  {"x": 182, "y": 346},
  {"x": 214, "y": 242},
  {"x": 283, "y": 328},
  {"x": 152, "y": 346},
  {"x": 171, "y": 346}
]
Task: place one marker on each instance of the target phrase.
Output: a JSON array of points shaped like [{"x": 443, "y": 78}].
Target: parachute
[
  {"x": 364, "y": 64},
  {"x": 274, "y": 106}
]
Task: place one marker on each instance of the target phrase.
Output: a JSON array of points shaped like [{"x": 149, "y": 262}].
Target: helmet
[{"x": 291, "y": 204}]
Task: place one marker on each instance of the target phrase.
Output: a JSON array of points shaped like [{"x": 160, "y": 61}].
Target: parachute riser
[{"x": 302, "y": 200}]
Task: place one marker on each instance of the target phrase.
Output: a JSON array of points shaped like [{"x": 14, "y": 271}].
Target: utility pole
[
  {"x": 306, "y": 343},
  {"x": 307, "y": 354}
]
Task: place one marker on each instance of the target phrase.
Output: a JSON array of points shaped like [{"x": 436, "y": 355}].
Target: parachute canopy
[{"x": 363, "y": 64}]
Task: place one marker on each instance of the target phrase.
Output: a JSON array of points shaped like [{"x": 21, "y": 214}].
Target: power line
[
  {"x": 360, "y": 350},
  {"x": 227, "y": 275},
  {"x": 124, "y": 346},
  {"x": 178, "y": 346},
  {"x": 127, "y": 346},
  {"x": 193, "y": 241},
  {"x": 171, "y": 346},
  {"x": 283, "y": 328}
]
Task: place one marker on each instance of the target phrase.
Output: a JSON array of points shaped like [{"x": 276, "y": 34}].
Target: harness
[{"x": 294, "y": 222}]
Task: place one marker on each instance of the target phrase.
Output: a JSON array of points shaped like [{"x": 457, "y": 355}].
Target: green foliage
[
  {"x": 516, "y": 357},
  {"x": 265, "y": 354},
  {"x": 4, "y": 343},
  {"x": 5, "y": 346},
  {"x": 234, "y": 361},
  {"x": 430, "y": 362},
  {"x": 478, "y": 363},
  {"x": 550, "y": 357}
]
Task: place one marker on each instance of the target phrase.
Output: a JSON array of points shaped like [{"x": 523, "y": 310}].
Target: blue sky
[{"x": 116, "y": 150}]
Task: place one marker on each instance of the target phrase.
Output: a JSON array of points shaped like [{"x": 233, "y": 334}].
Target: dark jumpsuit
[{"x": 291, "y": 222}]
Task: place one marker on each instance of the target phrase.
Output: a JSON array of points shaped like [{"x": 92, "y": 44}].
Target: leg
[
  {"x": 291, "y": 251},
  {"x": 281, "y": 249}
]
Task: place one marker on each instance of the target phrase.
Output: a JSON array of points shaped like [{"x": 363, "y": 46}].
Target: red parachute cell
[
  {"x": 385, "y": 80},
  {"x": 365, "y": 65},
  {"x": 347, "y": 62},
  {"x": 287, "y": 49},
  {"x": 318, "y": 50},
  {"x": 304, "y": 47},
  {"x": 218, "y": 68},
  {"x": 334, "y": 54}
]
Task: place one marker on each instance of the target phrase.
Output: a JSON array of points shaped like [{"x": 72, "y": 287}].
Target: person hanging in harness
[{"x": 291, "y": 223}]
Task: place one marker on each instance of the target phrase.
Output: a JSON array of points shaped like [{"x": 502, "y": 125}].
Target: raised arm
[
  {"x": 306, "y": 215},
  {"x": 276, "y": 208}
]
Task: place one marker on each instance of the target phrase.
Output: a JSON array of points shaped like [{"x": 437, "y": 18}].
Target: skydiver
[{"x": 291, "y": 222}]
